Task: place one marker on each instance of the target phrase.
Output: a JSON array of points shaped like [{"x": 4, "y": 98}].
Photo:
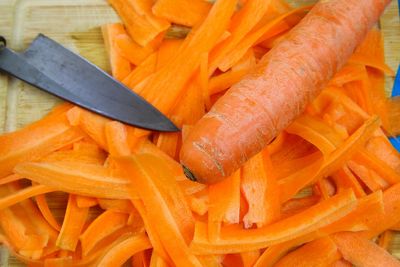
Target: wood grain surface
[{"x": 75, "y": 24}]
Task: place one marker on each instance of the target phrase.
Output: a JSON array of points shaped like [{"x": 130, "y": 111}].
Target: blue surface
[{"x": 396, "y": 92}]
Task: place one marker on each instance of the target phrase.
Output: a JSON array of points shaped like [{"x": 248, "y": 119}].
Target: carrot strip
[
  {"x": 105, "y": 224},
  {"x": 58, "y": 262},
  {"x": 157, "y": 261},
  {"x": 141, "y": 259},
  {"x": 203, "y": 78},
  {"x": 316, "y": 132},
  {"x": 46, "y": 212},
  {"x": 118, "y": 254},
  {"x": 242, "y": 23},
  {"x": 362, "y": 252},
  {"x": 370, "y": 53},
  {"x": 85, "y": 202},
  {"x": 344, "y": 179},
  {"x": 235, "y": 239},
  {"x": 320, "y": 252},
  {"x": 292, "y": 184},
  {"x": 185, "y": 12},
  {"x": 23, "y": 194},
  {"x": 76, "y": 178},
  {"x": 259, "y": 187},
  {"x": 386, "y": 239},
  {"x": 89, "y": 157},
  {"x": 349, "y": 73},
  {"x": 120, "y": 66},
  {"x": 130, "y": 50},
  {"x": 168, "y": 142},
  {"x": 141, "y": 72},
  {"x": 10, "y": 178},
  {"x": 199, "y": 202},
  {"x": 259, "y": 35},
  {"x": 158, "y": 206},
  {"x": 117, "y": 138},
  {"x": 367, "y": 176},
  {"x": 296, "y": 205},
  {"x": 188, "y": 59},
  {"x": 249, "y": 258},
  {"x": 224, "y": 199},
  {"x": 141, "y": 25},
  {"x": 225, "y": 80},
  {"x": 35, "y": 141},
  {"x": 154, "y": 237},
  {"x": 341, "y": 263},
  {"x": 72, "y": 226},
  {"x": 167, "y": 51},
  {"x": 116, "y": 205}
]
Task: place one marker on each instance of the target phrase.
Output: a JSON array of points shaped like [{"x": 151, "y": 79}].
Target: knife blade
[{"x": 55, "y": 69}]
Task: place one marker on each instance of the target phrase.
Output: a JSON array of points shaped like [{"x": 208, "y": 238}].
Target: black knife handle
[{"x": 3, "y": 42}]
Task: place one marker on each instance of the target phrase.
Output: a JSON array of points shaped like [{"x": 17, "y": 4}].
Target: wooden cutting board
[{"x": 75, "y": 24}]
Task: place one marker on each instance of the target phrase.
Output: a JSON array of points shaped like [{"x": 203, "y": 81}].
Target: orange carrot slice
[
  {"x": 158, "y": 203},
  {"x": 72, "y": 226},
  {"x": 23, "y": 194},
  {"x": 362, "y": 252},
  {"x": 120, "y": 66},
  {"x": 105, "y": 224},
  {"x": 130, "y": 50},
  {"x": 35, "y": 141},
  {"x": 85, "y": 202},
  {"x": 224, "y": 206},
  {"x": 120, "y": 253},
  {"x": 46, "y": 212},
  {"x": 139, "y": 22},
  {"x": 320, "y": 252},
  {"x": 259, "y": 187},
  {"x": 76, "y": 178},
  {"x": 184, "y": 12},
  {"x": 235, "y": 239}
]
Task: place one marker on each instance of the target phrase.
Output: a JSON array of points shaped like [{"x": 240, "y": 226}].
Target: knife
[{"x": 51, "y": 67}]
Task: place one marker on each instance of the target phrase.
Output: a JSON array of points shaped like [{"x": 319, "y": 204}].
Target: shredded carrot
[{"x": 317, "y": 187}]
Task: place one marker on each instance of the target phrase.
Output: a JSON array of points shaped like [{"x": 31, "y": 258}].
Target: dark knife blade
[{"x": 55, "y": 69}]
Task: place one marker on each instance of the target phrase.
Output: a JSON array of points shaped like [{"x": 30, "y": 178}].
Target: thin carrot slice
[
  {"x": 10, "y": 178},
  {"x": 105, "y": 224},
  {"x": 141, "y": 72},
  {"x": 341, "y": 263},
  {"x": 242, "y": 23},
  {"x": 168, "y": 142},
  {"x": 154, "y": 237},
  {"x": 291, "y": 185},
  {"x": 184, "y": 12},
  {"x": 167, "y": 51},
  {"x": 157, "y": 261},
  {"x": 236, "y": 239},
  {"x": 249, "y": 258},
  {"x": 120, "y": 253},
  {"x": 370, "y": 53},
  {"x": 296, "y": 205},
  {"x": 120, "y": 66},
  {"x": 142, "y": 258},
  {"x": 116, "y": 205},
  {"x": 58, "y": 262},
  {"x": 46, "y": 212},
  {"x": 72, "y": 226},
  {"x": 369, "y": 177},
  {"x": 188, "y": 59},
  {"x": 385, "y": 239},
  {"x": 224, "y": 199},
  {"x": 130, "y": 50},
  {"x": 362, "y": 252},
  {"x": 23, "y": 194},
  {"x": 199, "y": 202},
  {"x": 344, "y": 178},
  {"x": 117, "y": 138},
  {"x": 85, "y": 202},
  {"x": 316, "y": 132},
  {"x": 76, "y": 178},
  {"x": 259, "y": 187},
  {"x": 270, "y": 29},
  {"x": 320, "y": 252},
  {"x": 158, "y": 207},
  {"x": 142, "y": 28},
  {"x": 35, "y": 141}
]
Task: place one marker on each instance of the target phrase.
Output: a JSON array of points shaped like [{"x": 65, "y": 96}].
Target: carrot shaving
[
  {"x": 46, "y": 212},
  {"x": 72, "y": 226}
]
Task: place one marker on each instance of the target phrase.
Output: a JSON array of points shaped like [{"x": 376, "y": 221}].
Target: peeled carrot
[{"x": 209, "y": 154}]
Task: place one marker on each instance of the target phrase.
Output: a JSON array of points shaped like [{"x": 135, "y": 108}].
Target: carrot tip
[{"x": 189, "y": 174}]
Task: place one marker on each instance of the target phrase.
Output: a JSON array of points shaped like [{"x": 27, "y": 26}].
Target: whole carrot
[{"x": 267, "y": 100}]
